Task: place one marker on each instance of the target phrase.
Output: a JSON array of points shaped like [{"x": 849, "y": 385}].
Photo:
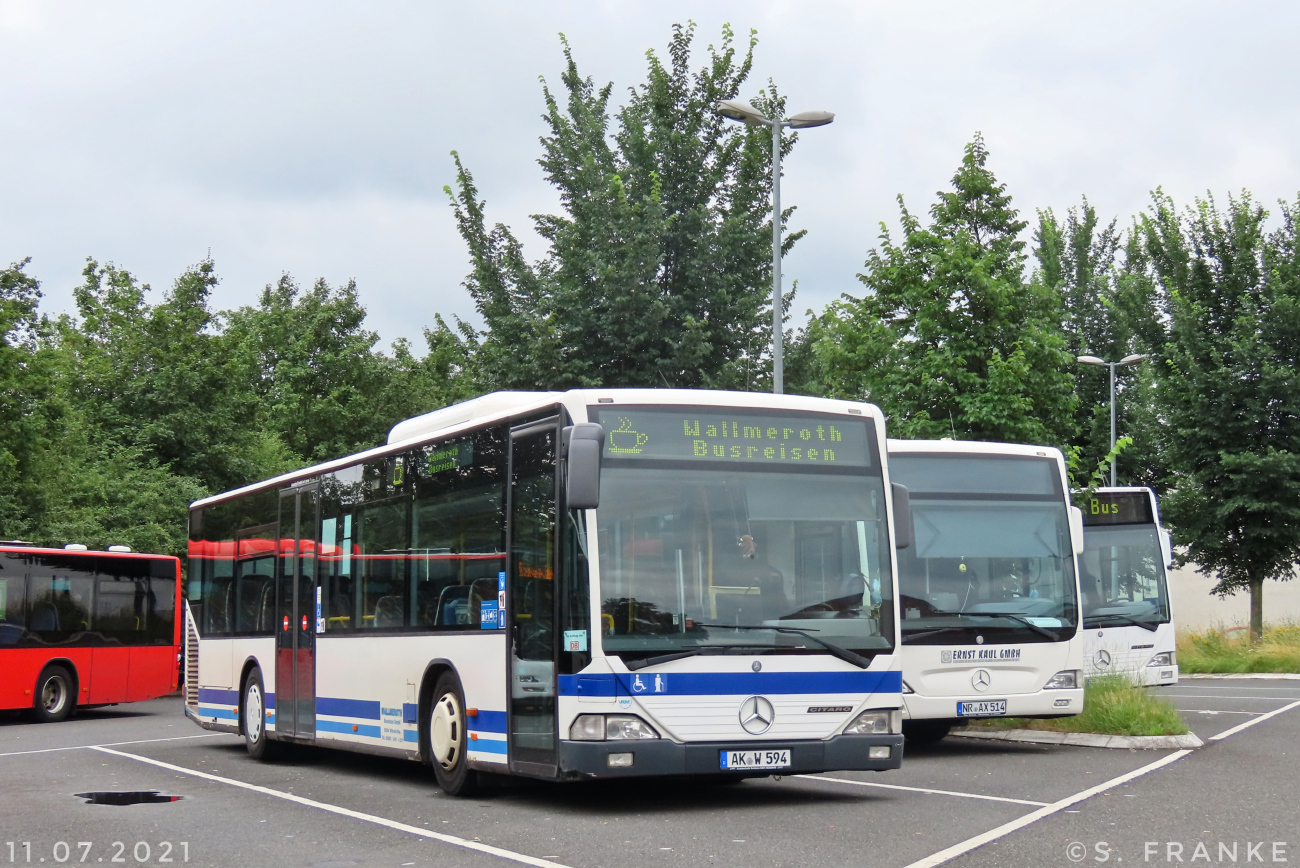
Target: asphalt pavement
[{"x": 960, "y": 802}]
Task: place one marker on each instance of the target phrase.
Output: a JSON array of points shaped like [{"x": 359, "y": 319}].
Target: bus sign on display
[
  {"x": 1118, "y": 507},
  {"x": 705, "y": 434}
]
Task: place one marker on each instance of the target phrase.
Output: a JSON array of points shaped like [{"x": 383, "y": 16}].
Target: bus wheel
[
  {"x": 260, "y": 746},
  {"x": 448, "y": 739},
  {"x": 54, "y": 698},
  {"x": 924, "y": 731}
]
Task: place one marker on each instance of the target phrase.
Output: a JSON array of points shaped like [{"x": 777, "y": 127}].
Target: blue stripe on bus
[
  {"x": 270, "y": 701},
  {"x": 488, "y": 721},
  {"x": 361, "y": 708},
  {"x": 729, "y": 683},
  {"x": 483, "y": 745},
  {"x": 411, "y": 735},
  {"x": 346, "y": 728},
  {"x": 410, "y": 712},
  {"x": 220, "y": 713},
  {"x": 224, "y": 697}
]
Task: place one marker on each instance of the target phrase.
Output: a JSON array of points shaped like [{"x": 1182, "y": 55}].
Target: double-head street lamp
[
  {"x": 743, "y": 111},
  {"x": 1127, "y": 360}
]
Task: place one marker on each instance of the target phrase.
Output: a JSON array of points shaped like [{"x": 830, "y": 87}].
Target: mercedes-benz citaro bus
[
  {"x": 82, "y": 628},
  {"x": 988, "y": 592},
  {"x": 587, "y": 584},
  {"x": 1127, "y": 618}
]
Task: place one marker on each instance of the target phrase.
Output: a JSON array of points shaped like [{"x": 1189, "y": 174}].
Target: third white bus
[{"x": 1127, "y": 616}]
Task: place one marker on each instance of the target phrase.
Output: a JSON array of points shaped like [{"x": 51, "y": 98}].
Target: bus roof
[
  {"x": 499, "y": 406},
  {"x": 975, "y": 447},
  {"x": 44, "y": 550}
]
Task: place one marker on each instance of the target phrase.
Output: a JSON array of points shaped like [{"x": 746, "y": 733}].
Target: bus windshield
[
  {"x": 1122, "y": 576},
  {"x": 690, "y": 550},
  {"x": 992, "y": 556}
]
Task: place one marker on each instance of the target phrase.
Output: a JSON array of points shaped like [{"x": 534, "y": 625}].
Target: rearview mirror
[
  {"x": 902, "y": 515},
  {"x": 1076, "y": 529},
  {"x": 583, "y": 444},
  {"x": 1167, "y": 548}
]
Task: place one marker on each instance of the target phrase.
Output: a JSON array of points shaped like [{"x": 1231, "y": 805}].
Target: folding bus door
[
  {"x": 295, "y": 630},
  {"x": 531, "y": 598}
]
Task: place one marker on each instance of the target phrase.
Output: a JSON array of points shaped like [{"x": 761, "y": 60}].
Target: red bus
[{"x": 82, "y": 628}]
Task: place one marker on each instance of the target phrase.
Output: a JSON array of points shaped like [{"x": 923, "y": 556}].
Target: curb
[
  {"x": 1087, "y": 739},
  {"x": 1252, "y": 676}
]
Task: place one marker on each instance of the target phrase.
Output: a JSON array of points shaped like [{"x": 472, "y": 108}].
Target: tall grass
[
  {"x": 1229, "y": 650},
  {"x": 1112, "y": 705}
]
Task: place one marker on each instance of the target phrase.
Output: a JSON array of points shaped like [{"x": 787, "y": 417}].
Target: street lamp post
[
  {"x": 1127, "y": 360},
  {"x": 746, "y": 113}
]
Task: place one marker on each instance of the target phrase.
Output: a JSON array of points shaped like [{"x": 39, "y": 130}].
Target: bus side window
[
  {"x": 13, "y": 595},
  {"x": 458, "y": 531},
  {"x": 383, "y": 556},
  {"x": 60, "y": 594}
]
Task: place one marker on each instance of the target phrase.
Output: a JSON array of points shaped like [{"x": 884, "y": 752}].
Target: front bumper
[
  {"x": 1152, "y": 676},
  {"x": 1043, "y": 703},
  {"x": 655, "y": 757}
]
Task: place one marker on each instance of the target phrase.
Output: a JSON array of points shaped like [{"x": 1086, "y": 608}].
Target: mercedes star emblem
[
  {"x": 981, "y": 680},
  {"x": 756, "y": 715},
  {"x": 1102, "y": 659}
]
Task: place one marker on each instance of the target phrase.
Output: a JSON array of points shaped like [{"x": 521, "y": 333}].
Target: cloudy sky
[{"x": 314, "y": 138}]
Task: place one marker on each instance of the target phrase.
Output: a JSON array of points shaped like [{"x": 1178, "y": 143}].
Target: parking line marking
[
  {"x": 1034, "y": 816},
  {"x": 923, "y": 790},
  {"x": 113, "y": 744},
  {"x": 1263, "y": 717},
  {"x": 1213, "y": 711},
  {"x": 1217, "y": 696},
  {"x": 346, "y": 812}
]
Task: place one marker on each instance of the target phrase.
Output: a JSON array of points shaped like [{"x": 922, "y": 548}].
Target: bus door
[
  {"x": 531, "y": 590},
  {"x": 296, "y": 614}
]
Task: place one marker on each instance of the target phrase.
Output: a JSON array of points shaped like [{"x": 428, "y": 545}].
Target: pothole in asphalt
[{"x": 139, "y": 797}]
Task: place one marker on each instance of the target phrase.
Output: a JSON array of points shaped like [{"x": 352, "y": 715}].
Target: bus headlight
[
  {"x": 1067, "y": 680},
  {"x": 876, "y": 723},
  {"x": 610, "y": 727},
  {"x": 1164, "y": 658}
]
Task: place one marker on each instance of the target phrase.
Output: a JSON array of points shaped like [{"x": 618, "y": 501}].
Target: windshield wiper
[
  {"x": 924, "y": 634},
  {"x": 1145, "y": 625},
  {"x": 1016, "y": 617},
  {"x": 634, "y": 665},
  {"x": 835, "y": 650}
]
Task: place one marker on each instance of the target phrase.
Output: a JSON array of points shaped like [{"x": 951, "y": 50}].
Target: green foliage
[
  {"x": 1112, "y": 705},
  {"x": 26, "y": 417},
  {"x": 950, "y": 339},
  {"x": 1224, "y": 651},
  {"x": 1084, "y": 484},
  {"x": 1112, "y": 309},
  {"x": 1231, "y": 396},
  {"x": 656, "y": 272}
]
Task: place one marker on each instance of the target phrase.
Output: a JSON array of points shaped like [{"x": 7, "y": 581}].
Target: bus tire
[
  {"x": 449, "y": 739},
  {"x": 925, "y": 731},
  {"x": 55, "y": 696},
  {"x": 253, "y": 710}
]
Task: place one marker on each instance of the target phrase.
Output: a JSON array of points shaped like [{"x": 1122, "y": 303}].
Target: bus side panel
[
  {"x": 22, "y": 666},
  {"x": 367, "y": 688},
  {"x": 111, "y": 667},
  {"x": 152, "y": 672}
]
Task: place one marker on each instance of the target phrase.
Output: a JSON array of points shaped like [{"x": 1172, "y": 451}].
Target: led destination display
[
  {"x": 1118, "y": 507},
  {"x": 716, "y": 435}
]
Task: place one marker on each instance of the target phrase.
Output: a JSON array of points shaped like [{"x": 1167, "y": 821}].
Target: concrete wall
[{"x": 1195, "y": 608}]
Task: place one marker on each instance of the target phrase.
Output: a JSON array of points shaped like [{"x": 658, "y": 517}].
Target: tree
[
  {"x": 1112, "y": 309},
  {"x": 1231, "y": 394},
  {"x": 160, "y": 378},
  {"x": 316, "y": 379},
  {"x": 657, "y": 269},
  {"x": 27, "y": 416},
  {"x": 949, "y": 338}
]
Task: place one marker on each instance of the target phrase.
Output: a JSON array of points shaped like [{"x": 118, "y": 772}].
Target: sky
[{"x": 315, "y": 138}]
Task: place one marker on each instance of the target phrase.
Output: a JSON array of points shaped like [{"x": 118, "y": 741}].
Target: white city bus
[
  {"x": 1127, "y": 619},
  {"x": 570, "y": 585},
  {"x": 988, "y": 592}
]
